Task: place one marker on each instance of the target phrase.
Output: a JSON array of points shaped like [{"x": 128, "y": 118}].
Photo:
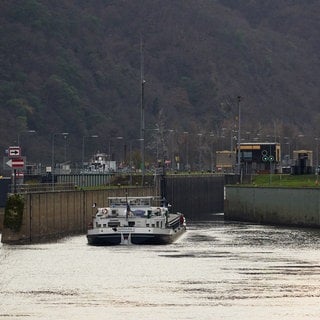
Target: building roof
[{"x": 259, "y": 143}]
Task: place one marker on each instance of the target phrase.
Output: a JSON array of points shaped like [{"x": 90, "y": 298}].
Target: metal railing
[{"x": 42, "y": 187}]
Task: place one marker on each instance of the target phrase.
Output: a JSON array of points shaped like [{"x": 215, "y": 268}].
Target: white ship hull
[{"x": 109, "y": 236}]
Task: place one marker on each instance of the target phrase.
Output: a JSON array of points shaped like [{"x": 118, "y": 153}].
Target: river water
[{"x": 217, "y": 270}]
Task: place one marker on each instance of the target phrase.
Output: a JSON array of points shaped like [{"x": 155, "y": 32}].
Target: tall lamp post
[
  {"x": 317, "y": 155},
  {"x": 186, "y": 133},
  {"x": 113, "y": 138},
  {"x": 22, "y": 132},
  {"x": 142, "y": 130},
  {"x": 64, "y": 134},
  {"x": 287, "y": 156},
  {"x": 211, "y": 153},
  {"x": 239, "y": 136},
  {"x": 200, "y": 151},
  {"x": 83, "y": 148},
  {"x": 142, "y": 119}
]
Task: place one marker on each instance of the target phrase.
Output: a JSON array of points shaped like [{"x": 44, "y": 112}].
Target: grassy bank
[{"x": 286, "y": 180}]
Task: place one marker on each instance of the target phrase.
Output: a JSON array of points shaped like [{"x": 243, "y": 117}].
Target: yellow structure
[{"x": 225, "y": 160}]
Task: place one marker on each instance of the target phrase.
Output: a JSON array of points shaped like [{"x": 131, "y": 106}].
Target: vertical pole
[
  {"x": 65, "y": 148},
  {"x": 317, "y": 151},
  {"x": 200, "y": 152},
  {"x": 163, "y": 183},
  {"x": 30, "y": 217},
  {"x": 14, "y": 181},
  {"x": 109, "y": 151},
  {"x": 172, "y": 150},
  {"x": 317, "y": 157},
  {"x": 130, "y": 162},
  {"x": 64, "y": 134},
  {"x": 142, "y": 128},
  {"x": 212, "y": 145},
  {"x": 82, "y": 155},
  {"x": 52, "y": 163},
  {"x": 270, "y": 164},
  {"x": 186, "y": 167},
  {"x": 142, "y": 136},
  {"x": 82, "y": 163},
  {"x": 239, "y": 137}
]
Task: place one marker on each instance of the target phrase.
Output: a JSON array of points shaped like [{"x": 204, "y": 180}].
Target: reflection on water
[{"x": 218, "y": 270}]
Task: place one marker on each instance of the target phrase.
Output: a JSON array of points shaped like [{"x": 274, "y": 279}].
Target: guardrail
[{"x": 29, "y": 188}]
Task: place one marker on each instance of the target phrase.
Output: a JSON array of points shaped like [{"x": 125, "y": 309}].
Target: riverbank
[{"x": 284, "y": 180}]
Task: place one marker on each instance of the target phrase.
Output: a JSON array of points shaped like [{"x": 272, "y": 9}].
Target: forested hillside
[{"x": 75, "y": 66}]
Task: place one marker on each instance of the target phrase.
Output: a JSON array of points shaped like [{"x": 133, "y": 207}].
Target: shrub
[{"x": 13, "y": 212}]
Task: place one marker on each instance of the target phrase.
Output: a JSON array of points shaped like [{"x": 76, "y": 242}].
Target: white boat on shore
[{"x": 135, "y": 220}]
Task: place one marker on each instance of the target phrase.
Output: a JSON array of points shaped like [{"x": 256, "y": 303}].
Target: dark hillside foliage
[{"x": 74, "y": 66}]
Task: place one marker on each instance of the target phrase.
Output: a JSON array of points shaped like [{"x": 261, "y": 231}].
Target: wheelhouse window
[{"x": 113, "y": 224}]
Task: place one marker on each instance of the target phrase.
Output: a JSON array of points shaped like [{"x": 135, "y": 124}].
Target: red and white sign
[
  {"x": 18, "y": 175},
  {"x": 16, "y": 163},
  {"x": 14, "y": 152}
]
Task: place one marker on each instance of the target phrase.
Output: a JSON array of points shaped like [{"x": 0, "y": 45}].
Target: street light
[
  {"x": 64, "y": 134},
  {"x": 22, "y": 132},
  {"x": 113, "y": 138},
  {"x": 83, "y": 147},
  {"x": 65, "y": 148},
  {"x": 298, "y": 143},
  {"x": 317, "y": 155},
  {"x": 200, "y": 151},
  {"x": 142, "y": 119},
  {"x": 289, "y": 150},
  {"x": 142, "y": 130},
  {"x": 212, "y": 136},
  {"x": 186, "y": 133}
]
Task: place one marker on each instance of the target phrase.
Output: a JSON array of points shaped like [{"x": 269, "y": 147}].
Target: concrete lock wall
[
  {"x": 297, "y": 207},
  {"x": 54, "y": 214},
  {"x": 196, "y": 196}
]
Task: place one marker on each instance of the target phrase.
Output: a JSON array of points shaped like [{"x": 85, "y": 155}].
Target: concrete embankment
[{"x": 280, "y": 206}]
